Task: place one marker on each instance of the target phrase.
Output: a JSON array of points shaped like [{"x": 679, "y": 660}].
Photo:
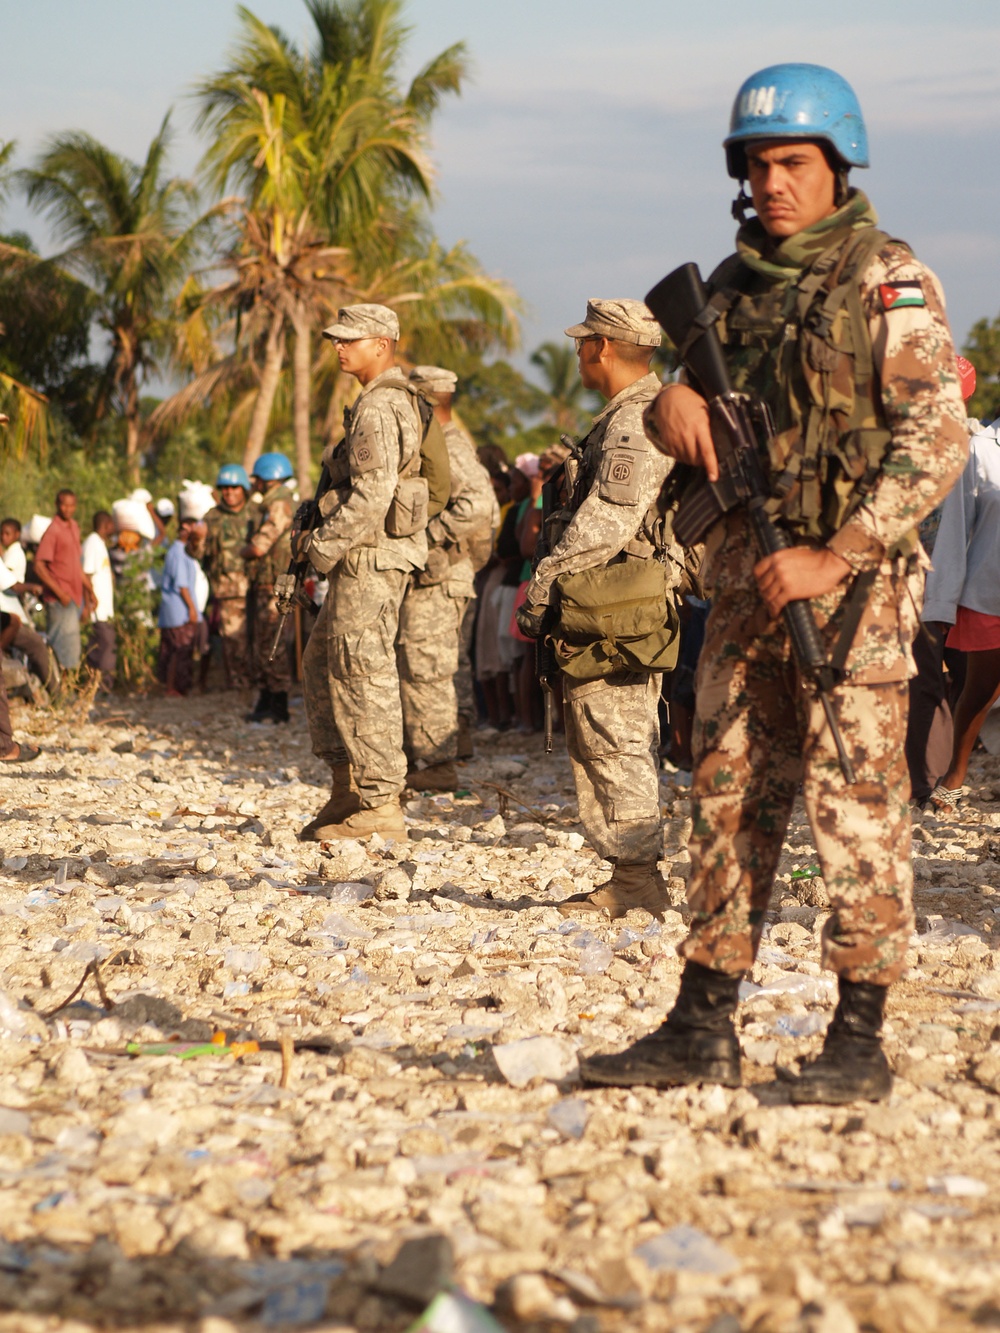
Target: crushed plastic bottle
[
  {"x": 685, "y": 1249},
  {"x": 349, "y": 892},
  {"x": 243, "y": 960},
  {"x": 595, "y": 959},
  {"x": 569, "y": 1117},
  {"x": 800, "y": 1025}
]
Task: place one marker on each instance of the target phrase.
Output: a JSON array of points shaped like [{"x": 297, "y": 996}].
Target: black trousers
[{"x": 929, "y": 732}]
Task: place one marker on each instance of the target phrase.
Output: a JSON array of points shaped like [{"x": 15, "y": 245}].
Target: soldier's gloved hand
[
  {"x": 531, "y": 618},
  {"x": 301, "y": 545}
]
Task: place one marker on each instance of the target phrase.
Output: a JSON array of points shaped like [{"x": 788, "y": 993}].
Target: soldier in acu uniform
[
  {"x": 612, "y": 529},
  {"x": 843, "y": 333},
  {"x": 371, "y": 540},
  {"x": 228, "y": 528},
  {"x": 431, "y": 619},
  {"x": 269, "y": 552}
]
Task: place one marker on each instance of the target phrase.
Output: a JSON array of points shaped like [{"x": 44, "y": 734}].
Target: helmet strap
[
  {"x": 842, "y": 189},
  {"x": 741, "y": 203}
]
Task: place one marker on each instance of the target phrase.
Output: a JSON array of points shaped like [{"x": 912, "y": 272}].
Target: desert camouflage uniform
[
  {"x": 350, "y": 679},
  {"x": 431, "y": 617},
  {"x": 612, "y": 728},
  {"x": 759, "y": 732},
  {"x": 228, "y": 532},
  {"x": 272, "y": 540}
]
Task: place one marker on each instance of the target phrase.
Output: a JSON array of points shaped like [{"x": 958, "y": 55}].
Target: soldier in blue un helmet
[
  {"x": 843, "y": 333},
  {"x": 268, "y": 553},
  {"x": 229, "y": 527}
]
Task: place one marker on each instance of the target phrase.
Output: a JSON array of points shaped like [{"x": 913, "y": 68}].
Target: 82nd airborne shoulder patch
[{"x": 899, "y": 295}]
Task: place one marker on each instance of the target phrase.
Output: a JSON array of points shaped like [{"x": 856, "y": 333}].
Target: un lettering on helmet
[{"x": 759, "y": 101}]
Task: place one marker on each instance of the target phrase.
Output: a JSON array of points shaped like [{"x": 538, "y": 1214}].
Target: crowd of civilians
[{"x": 58, "y": 599}]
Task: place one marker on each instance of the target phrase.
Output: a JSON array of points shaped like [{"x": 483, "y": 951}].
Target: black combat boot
[
  {"x": 852, "y": 1065},
  {"x": 279, "y": 705},
  {"x": 696, "y": 1044},
  {"x": 261, "y": 709}
]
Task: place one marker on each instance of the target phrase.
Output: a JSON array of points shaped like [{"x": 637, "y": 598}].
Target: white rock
[{"x": 551, "y": 1058}]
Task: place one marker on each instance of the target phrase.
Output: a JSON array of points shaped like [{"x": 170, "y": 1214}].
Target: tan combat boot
[
  {"x": 343, "y": 802},
  {"x": 386, "y": 820},
  {"x": 630, "y": 886},
  {"x": 435, "y": 777}
]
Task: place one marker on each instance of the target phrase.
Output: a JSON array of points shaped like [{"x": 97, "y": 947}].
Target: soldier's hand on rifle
[
  {"x": 531, "y": 618},
  {"x": 301, "y": 545},
  {"x": 798, "y": 574},
  {"x": 681, "y": 429}
]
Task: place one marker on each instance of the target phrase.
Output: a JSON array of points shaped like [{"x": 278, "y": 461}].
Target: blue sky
[{"x": 583, "y": 158}]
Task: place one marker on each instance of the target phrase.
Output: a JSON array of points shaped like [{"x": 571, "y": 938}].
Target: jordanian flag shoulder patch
[{"x": 896, "y": 295}]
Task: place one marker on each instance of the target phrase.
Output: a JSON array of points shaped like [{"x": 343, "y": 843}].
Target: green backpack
[{"x": 434, "y": 466}]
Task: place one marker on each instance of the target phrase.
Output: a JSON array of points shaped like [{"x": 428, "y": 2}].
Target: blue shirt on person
[{"x": 179, "y": 571}]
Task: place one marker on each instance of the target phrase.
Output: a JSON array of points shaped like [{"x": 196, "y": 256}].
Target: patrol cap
[
  {"x": 625, "y": 321},
  {"x": 435, "y": 379},
  {"x": 364, "y": 321}
]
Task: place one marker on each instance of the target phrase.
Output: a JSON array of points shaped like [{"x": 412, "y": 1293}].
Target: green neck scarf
[{"x": 787, "y": 260}]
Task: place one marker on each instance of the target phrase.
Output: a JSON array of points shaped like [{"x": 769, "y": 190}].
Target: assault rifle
[
  {"x": 288, "y": 586},
  {"x": 741, "y": 425}
]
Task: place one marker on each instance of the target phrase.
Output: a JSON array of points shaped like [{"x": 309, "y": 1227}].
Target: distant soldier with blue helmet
[
  {"x": 842, "y": 333},
  {"x": 268, "y": 553},
  {"x": 229, "y": 528}
]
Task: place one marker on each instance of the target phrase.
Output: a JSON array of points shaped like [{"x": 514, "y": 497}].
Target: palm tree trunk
[
  {"x": 274, "y": 359},
  {"x": 301, "y": 396},
  {"x": 333, "y": 425},
  {"x": 132, "y": 436}
]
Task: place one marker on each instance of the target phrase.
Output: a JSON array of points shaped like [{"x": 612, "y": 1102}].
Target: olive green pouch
[{"x": 616, "y": 618}]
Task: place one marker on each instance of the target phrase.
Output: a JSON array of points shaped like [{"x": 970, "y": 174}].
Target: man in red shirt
[{"x": 67, "y": 588}]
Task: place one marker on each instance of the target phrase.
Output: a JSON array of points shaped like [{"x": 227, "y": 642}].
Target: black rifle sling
[{"x": 853, "y": 610}]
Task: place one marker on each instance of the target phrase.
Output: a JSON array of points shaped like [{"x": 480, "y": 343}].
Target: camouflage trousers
[
  {"x": 430, "y": 623},
  {"x": 758, "y": 734},
  {"x": 232, "y": 621},
  {"x": 612, "y": 731},
  {"x": 276, "y": 674},
  {"x": 350, "y": 681}
]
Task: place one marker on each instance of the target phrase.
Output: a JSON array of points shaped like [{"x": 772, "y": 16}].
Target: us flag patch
[{"x": 896, "y": 295}]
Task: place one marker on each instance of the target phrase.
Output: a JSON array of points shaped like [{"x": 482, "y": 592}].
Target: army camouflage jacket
[
  {"x": 914, "y": 358},
  {"x": 382, "y": 434},
  {"x": 468, "y": 515},
  {"x": 620, "y": 481},
  {"x": 228, "y": 533},
  {"x": 271, "y": 542}
]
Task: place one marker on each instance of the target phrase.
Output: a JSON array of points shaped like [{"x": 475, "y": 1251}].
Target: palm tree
[
  {"x": 558, "y": 364},
  {"x": 131, "y": 234},
  {"x": 24, "y": 408},
  {"x": 329, "y": 152}
]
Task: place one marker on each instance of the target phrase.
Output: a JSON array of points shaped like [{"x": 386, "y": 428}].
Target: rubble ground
[{"x": 419, "y": 1010}]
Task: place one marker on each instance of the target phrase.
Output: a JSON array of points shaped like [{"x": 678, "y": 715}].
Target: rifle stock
[{"x": 684, "y": 311}]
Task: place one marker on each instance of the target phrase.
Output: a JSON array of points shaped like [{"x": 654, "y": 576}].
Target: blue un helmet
[
  {"x": 796, "y": 102},
  {"x": 272, "y": 467},
  {"x": 233, "y": 474}
]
